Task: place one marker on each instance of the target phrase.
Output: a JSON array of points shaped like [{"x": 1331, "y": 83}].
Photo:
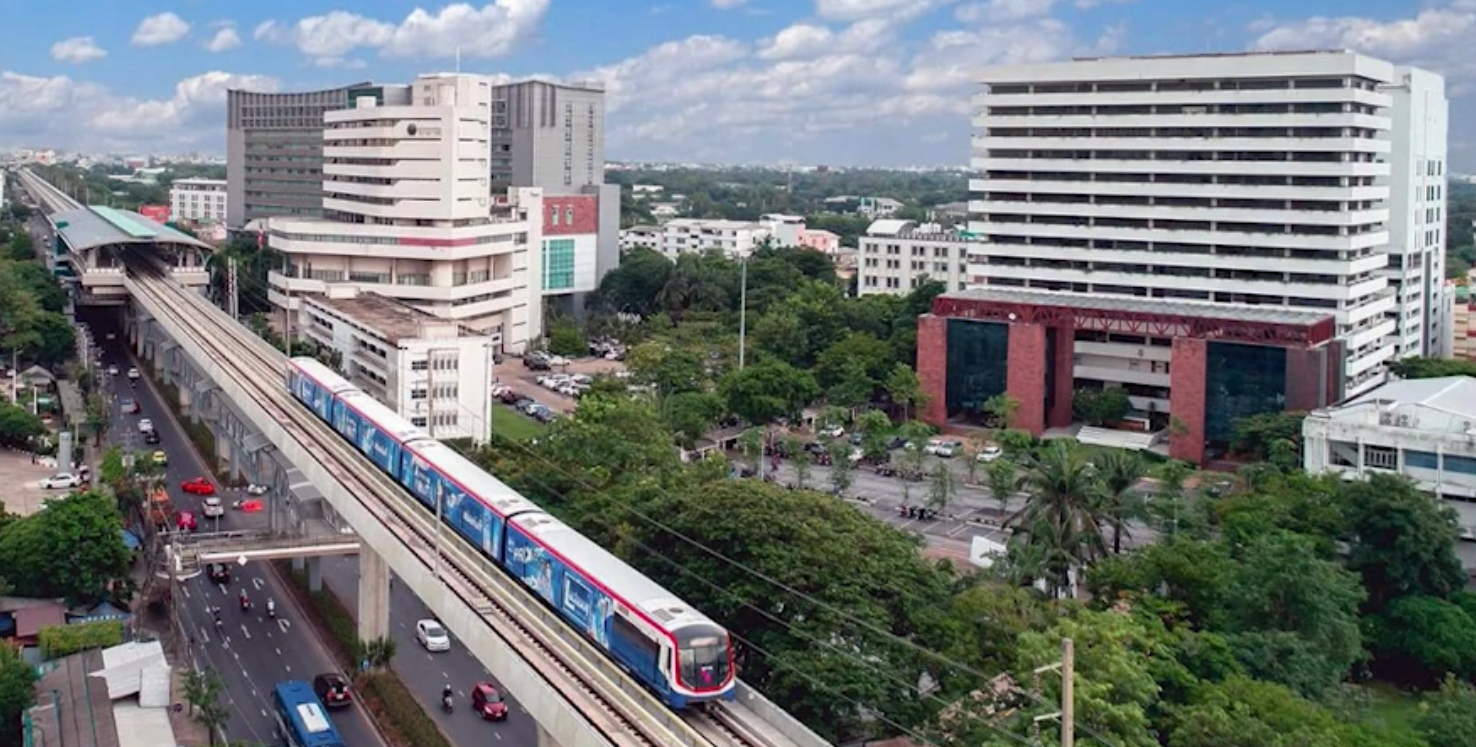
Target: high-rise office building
[
  {"x": 409, "y": 213},
  {"x": 1417, "y": 197},
  {"x": 1211, "y": 233},
  {"x": 274, "y": 152}
]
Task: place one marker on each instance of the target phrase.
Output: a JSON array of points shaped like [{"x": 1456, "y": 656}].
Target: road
[
  {"x": 252, "y": 653},
  {"x": 426, "y": 673}
]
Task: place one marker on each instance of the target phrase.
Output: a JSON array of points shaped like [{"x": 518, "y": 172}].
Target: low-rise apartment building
[
  {"x": 431, "y": 371},
  {"x": 898, "y": 255},
  {"x": 198, "y": 200}
]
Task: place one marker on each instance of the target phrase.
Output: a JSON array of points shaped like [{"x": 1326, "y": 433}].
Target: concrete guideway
[{"x": 462, "y": 594}]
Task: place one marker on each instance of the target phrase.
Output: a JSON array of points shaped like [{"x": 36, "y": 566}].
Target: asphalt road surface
[
  {"x": 426, "y": 673},
  {"x": 251, "y": 653}
]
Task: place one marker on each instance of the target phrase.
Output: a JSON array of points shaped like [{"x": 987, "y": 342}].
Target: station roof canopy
[{"x": 95, "y": 226}]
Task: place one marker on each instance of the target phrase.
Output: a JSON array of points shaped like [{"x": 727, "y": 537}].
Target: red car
[
  {"x": 488, "y": 702},
  {"x": 198, "y": 486},
  {"x": 186, "y": 521}
]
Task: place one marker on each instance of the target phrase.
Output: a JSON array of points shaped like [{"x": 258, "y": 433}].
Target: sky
[{"x": 839, "y": 82}]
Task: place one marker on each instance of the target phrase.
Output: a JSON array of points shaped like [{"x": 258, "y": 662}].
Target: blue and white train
[{"x": 675, "y": 650}]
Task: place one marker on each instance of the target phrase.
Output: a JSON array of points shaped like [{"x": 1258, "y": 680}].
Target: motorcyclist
[
  {"x": 271, "y": 608},
  {"x": 216, "y": 612},
  {"x": 446, "y": 697},
  {"x": 245, "y": 600}
]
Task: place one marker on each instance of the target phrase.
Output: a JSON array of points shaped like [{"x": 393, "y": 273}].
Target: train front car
[{"x": 639, "y": 624}]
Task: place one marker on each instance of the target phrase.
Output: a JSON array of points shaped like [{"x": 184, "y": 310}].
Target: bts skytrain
[{"x": 676, "y": 651}]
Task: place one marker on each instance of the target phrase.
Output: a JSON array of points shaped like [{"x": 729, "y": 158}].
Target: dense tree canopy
[{"x": 73, "y": 549}]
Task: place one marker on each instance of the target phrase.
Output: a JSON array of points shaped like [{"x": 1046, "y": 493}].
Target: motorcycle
[
  {"x": 446, "y": 703},
  {"x": 245, "y": 604},
  {"x": 272, "y": 609}
]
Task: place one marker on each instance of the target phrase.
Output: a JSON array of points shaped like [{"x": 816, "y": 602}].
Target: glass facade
[
  {"x": 558, "y": 264},
  {"x": 1241, "y": 381},
  {"x": 978, "y": 361}
]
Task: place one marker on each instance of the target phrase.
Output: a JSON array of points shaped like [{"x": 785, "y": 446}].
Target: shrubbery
[{"x": 62, "y": 640}]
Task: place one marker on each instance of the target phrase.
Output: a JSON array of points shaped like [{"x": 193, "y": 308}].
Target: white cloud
[
  {"x": 489, "y": 31},
  {"x": 1003, "y": 11},
  {"x": 156, "y": 30},
  {"x": 64, "y": 112},
  {"x": 77, "y": 50},
  {"x": 894, "y": 10},
  {"x": 224, "y": 39},
  {"x": 804, "y": 40},
  {"x": 1438, "y": 37}
]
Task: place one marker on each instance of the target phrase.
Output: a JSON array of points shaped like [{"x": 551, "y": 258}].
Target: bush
[
  {"x": 63, "y": 640},
  {"x": 406, "y": 716},
  {"x": 567, "y": 340},
  {"x": 1098, "y": 407}
]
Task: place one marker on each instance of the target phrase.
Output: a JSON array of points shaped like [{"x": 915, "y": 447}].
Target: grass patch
[
  {"x": 1389, "y": 706},
  {"x": 392, "y": 708},
  {"x": 509, "y": 423}
]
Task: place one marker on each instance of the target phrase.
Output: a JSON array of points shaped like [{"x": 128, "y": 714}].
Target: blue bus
[{"x": 302, "y": 721}]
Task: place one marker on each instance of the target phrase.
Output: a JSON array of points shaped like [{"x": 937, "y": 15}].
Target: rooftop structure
[{"x": 899, "y": 255}]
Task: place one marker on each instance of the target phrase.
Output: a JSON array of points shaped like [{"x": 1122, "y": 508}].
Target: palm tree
[
  {"x": 1062, "y": 508},
  {"x": 1121, "y": 471}
]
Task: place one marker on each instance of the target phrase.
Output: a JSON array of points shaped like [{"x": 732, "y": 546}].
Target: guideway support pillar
[
  {"x": 545, "y": 739},
  {"x": 373, "y": 595}
]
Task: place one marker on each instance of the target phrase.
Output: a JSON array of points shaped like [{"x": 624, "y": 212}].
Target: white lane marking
[
  {"x": 279, "y": 652},
  {"x": 222, "y": 588},
  {"x": 245, "y": 632},
  {"x": 186, "y": 590},
  {"x": 497, "y": 734},
  {"x": 264, "y": 714},
  {"x": 284, "y": 625},
  {"x": 204, "y": 635},
  {"x": 257, "y": 582}
]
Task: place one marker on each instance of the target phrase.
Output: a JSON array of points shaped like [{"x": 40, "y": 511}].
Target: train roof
[
  {"x": 325, "y": 376},
  {"x": 472, "y": 478},
  {"x": 620, "y": 580},
  {"x": 377, "y": 413}
]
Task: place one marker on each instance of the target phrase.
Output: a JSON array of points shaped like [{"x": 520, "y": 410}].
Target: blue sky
[{"x": 881, "y": 82}]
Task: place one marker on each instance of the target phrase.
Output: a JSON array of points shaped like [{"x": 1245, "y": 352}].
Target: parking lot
[
  {"x": 524, "y": 380},
  {"x": 26, "y": 496}
]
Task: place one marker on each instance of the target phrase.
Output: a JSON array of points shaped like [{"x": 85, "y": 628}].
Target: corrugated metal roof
[
  {"x": 140, "y": 726},
  {"x": 133, "y": 669},
  {"x": 91, "y": 227}
]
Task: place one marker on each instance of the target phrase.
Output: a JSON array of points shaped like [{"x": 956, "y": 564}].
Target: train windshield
[{"x": 703, "y": 657}]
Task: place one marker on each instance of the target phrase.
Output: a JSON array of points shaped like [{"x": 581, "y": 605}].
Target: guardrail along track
[{"x": 627, "y": 716}]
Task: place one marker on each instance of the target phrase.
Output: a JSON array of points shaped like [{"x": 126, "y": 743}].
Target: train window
[
  {"x": 704, "y": 662},
  {"x": 633, "y": 636}
]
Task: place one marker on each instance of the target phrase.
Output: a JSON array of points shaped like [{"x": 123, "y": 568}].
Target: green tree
[
  {"x": 1258, "y": 436},
  {"x": 1242, "y": 712},
  {"x": 904, "y": 388},
  {"x": 567, "y": 339},
  {"x": 782, "y": 334},
  {"x": 690, "y": 415},
  {"x": 839, "y": 452},
  {"x": 751, "y": 441},
  {"x": 768, "y": 390},
  {"x": 838, "y": 363},
  {"x": 74, "y": 549},
  {"x": 942, "y": 485},
  {"x": 1120, "y": 473},
  {"x": 1100, "y": 406},
  {"x": 203, "y": 690},
  {"x": 17, "y": 692},
  {"x": 1418, "y": 640},
  {"x": 854, "y": 387},
  {"x": 1448, "y": 718},
  {"x": 1001, "y": 478},
  {"x": 1400, "y": 539},
  {"x": 1062, "y": 514},
  {"x": 1420, "y": 367},
  {"x": 800, "y": 458},
  {"x": 875, "y": 430},
  {"x": 668, "y": 368},
  {"x": 635, "y": 286},
  {"x": 18, "y": 427},
  {"x": 1001, "y": 409}
]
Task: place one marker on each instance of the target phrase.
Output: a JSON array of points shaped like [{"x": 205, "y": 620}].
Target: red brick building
[{"x": 1226, "y": 362}]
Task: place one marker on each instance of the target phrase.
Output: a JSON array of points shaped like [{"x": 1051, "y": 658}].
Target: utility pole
[
  {"x": 742, "y": 311},
  {"x": 1067, "y": 715},
  {"x": 233, "y": 291}
]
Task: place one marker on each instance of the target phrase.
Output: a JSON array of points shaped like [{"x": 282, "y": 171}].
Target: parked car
[
  {"x": 536, "y": 362},
  {"x": 214, "y": 508},
  {"x": 488, "y": 702},
  {"x": 198, "y": 486},
  {"x": 333, "y": 689},
  {"x": 989, "y": 453},
  {"x": 432, "y": 636},
  {"x": 62, "y": 480},
  {"x": 509, "y": 396},
  {"x": 557, "y": 360},
  {"x": 219, "y": 573},
  {"x": 831, "y": 431},
  {"x": 499, "y": 389},
  {"x": 186, "y": 521},
  {"x": 128, "y": 405},
  {"x": 948, "y": 449}
]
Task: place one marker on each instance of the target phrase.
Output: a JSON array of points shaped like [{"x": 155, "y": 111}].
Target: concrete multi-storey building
[
  {"x": 274, "y": 152},
  {"x": 732, "y": 237},
  {"x": 409, "y": 213},
  {"x": 1417, "y": 199},
  {"x": 543, "y": 135},
  {"x": 198, "y": 200},
  {"x": 429, "y": 370},
  {"x": 1179, "y": 203},
  {"x": 897, "y": 255}
]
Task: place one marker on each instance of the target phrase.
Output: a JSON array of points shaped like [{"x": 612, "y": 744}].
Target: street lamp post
[{"x": 742, "y": 309}]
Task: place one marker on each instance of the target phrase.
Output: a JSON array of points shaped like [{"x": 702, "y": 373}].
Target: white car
[
  {"x": 112, "y": 370},
  {"x": 254, "y": 489},
  {"x": 989, "y": 454},
  {"x": 557, "y": 360},
  {"x": 498, "y": 390},
  {"x": 432, "y": 636},
  {"x": 133, "y": 374},
  {"x": 948, "y": 449},
  {"x": 145, "y": 425},
  {"x": 933, "y": 445},
  {"x": 62, "y": 480},
  {"x": 213, "y": 507},
  {"x": 833, "y": 431}
]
